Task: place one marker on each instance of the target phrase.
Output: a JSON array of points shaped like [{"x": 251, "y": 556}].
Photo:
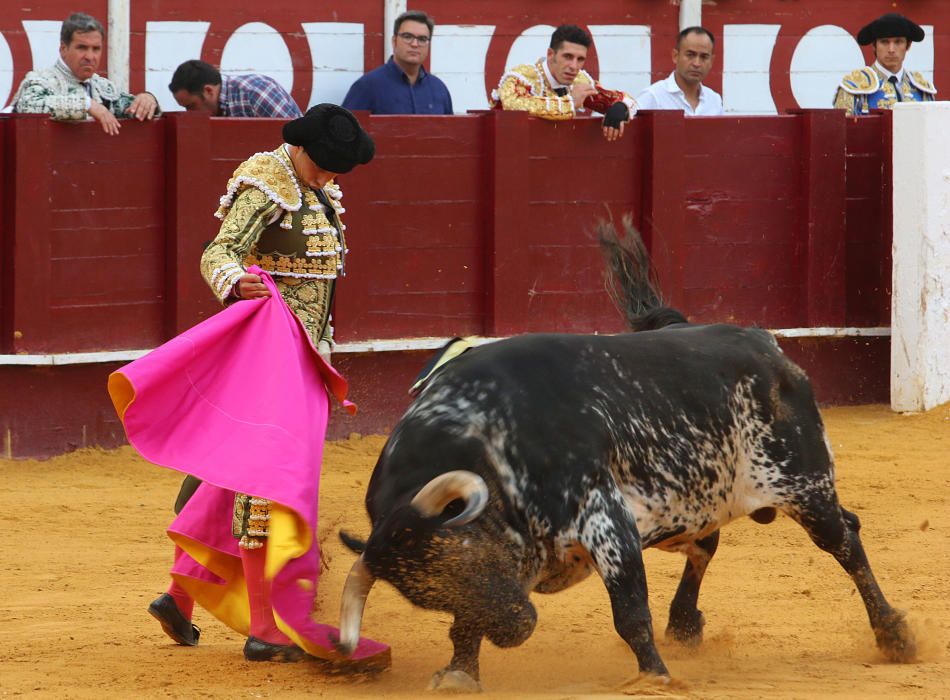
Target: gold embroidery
[
  {"x": 251, "y": 520},
  {"x": 310, "y": 199},
  {"x": 271, "y": 173}
]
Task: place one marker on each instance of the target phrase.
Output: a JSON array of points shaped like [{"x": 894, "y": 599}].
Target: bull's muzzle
[
  {"x": 432, "y": 498},
  {"x": 358, "y": 584}
]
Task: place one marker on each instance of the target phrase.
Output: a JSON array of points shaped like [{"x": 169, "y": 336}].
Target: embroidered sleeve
[
  {"x": 221, "y": 263},
  {"x": 846, "y": 101},
  {"x": 36, "y": 96},
  {"x": 518, "y": 92},
  {"x": 119, "y": 105},
  {"x": 603, "y": 99}
]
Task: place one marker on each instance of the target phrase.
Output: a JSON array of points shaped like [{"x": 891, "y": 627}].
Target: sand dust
[{"x": 84, "y": 552}]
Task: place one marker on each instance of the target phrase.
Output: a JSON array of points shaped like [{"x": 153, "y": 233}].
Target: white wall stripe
[{"x": 387, "y": 345}]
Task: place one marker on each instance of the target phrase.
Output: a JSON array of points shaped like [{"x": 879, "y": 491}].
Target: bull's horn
[
  {"x": 445, "y": 488},
  {"x": 358, "y": 583}
]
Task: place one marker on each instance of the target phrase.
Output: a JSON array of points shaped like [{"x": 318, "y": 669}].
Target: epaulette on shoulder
[
  {"x": 270, "y": 174},
  {"x": 863, "y": 81},
  {"x": 529, "y": 75},
  {"x": 921, "y": 83}
]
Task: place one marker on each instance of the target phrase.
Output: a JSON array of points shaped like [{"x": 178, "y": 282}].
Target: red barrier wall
[{"x": 478, "y": 224}]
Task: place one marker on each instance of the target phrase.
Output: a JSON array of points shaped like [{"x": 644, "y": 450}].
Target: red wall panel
[{"x": 483, "y": 224}]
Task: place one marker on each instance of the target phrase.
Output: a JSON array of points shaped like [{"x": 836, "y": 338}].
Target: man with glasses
[{"x": 402, "y": 85}]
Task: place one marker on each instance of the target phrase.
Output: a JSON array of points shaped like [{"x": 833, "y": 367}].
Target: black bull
[{"x": 526, "y": 463}]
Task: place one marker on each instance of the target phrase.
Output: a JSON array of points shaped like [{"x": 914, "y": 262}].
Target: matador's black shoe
[
  {"x": 258, "y": 650},
  {"x": 173, "y": 622}
]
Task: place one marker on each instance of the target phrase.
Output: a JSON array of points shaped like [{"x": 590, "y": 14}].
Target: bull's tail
[{"x": 631, "y": 280}]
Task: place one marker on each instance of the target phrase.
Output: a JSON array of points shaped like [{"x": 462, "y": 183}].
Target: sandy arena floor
[{"x": 85, "y": 551}]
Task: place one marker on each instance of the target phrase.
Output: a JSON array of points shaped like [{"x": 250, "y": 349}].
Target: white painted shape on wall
[
  {"x": 336, "y": 51},
  {"x": 6, "y": 73},
  {"x": 43, "y": 36},
  {"x": 458, "y": 57},
  {"x": 921, "y": 56},
  {"x": 691, "y": 13},
  {"x": 747, "y": 57},
  {"x": 824, "y": 55},
  {"x": 167, "y": 46},
  {"x": 920, "y": 303},
  {"x": 623, "y": 53},
  {"x": 531, "y": 45},
  {"x": 256, "y": 47}
]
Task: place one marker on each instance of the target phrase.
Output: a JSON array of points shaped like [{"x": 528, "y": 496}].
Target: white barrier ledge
[
  {"x": 388, "y": 345},
  {"x": 920, "y": 306}
]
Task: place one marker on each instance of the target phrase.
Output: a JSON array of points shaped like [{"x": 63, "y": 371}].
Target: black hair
[
  {"x": 695, "y": 30},
  {"x": 79, "y": 23},
  {"x": 193, "y": 75},
  {"x": 413, "y": 16},
  {"x": 571, "y": 33}
]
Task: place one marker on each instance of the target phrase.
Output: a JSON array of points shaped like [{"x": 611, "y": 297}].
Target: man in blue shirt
[{"x": 402, "y": 85}]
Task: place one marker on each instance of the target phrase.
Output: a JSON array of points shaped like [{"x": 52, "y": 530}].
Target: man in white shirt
[{"x": 684, "y": 89}]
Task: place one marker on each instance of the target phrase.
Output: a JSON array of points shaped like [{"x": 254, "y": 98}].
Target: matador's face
[
  {"x": 565, "y": 62},
  {"x": 890, "y": 52}
]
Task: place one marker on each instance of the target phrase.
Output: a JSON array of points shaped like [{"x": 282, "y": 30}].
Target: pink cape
[{"x": 240, "y": 401}]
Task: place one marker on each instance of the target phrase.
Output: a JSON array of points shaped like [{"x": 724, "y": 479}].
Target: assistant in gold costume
[{"x": 557, "y": 87}]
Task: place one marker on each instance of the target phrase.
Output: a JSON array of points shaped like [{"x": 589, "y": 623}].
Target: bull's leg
[
  {"x": 686, "y": 620},
  {"x": 835, "y": 530},
  {"x": 462, "y": 672},
  {"x": 608, "y": 530}
]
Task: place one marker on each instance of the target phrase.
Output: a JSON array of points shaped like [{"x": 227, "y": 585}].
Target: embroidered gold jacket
[
  {"x": 273, "y": 220},
  {"x": 527, "y": 88},
  {"x": 865, "y": 89}
]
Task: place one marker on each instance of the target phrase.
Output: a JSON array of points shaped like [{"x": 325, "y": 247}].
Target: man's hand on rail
[
  {"x": 106, "y": 119},
  {"x": 143, "y": 106}
]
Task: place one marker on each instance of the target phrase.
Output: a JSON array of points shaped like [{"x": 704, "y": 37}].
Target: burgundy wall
[{"x": 478, "y": 224}]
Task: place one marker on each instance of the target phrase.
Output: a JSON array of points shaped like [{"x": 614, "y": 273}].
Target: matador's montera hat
[
  {"x": 891, "y": 24},
  {"x": 332, "y": 138}
]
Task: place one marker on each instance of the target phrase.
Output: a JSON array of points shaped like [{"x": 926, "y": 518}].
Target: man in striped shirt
[{"x": 197, "y": 85}]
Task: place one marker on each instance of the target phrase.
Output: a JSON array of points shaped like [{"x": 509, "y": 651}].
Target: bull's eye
[
  {"x": 453, "y": 508},
  {"x": 403, "y": 538}
]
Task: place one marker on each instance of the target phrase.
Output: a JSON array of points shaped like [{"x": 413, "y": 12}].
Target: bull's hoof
[
  {"x": 896, "y": 640},
  {"x": 687, "y": 631},
  {"x": 446, "y": 681}
]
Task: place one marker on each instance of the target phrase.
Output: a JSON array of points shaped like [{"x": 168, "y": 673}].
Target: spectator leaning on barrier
[
  {"x": 71, "y": 90},
  {"x": 683, "y": 89},
  {"x": 557, "y": 86},
  {"x": 402, "y": 85},
  {"x": 197, "y": 85},
  {"x": 886, "y": 83}
]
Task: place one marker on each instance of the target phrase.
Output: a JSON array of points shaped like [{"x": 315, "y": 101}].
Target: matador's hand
[{"x": 251, "y": 287}]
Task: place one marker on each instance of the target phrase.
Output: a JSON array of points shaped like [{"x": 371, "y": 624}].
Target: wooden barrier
[{"x": 469, "y": 225}]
